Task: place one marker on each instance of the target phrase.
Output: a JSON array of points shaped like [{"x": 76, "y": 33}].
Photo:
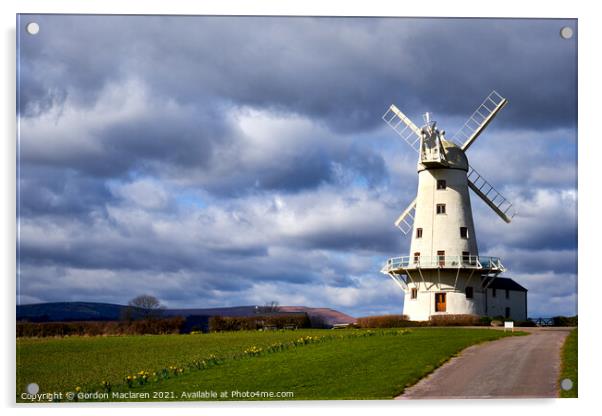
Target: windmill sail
[
  {"x": 406, "y": 219},
  {"x": 477, "y": 122},
  {"x": 464, "y": 138},
  {"x": 490, "y": 195},
  {"x": 403, "y": 126}
]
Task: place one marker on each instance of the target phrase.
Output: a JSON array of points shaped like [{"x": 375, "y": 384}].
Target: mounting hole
[
  {"x": 566, "y": 32},
  {"x": 566, "y": 384},
  {"x": 33, "y": 388},
  {"x": 32, "y": 28}
]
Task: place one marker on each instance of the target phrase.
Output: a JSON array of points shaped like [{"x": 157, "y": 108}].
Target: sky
[{"x": 224, "y": 161}]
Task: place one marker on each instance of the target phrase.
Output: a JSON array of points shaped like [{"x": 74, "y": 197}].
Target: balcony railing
[{"x": 443, "y": 262}]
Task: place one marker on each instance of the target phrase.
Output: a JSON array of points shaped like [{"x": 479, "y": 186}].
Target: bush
[
  {"x": 276, "y": 321},
  {"x": 95, "y": 328},
  {"x": 400, "y": 321},
  {"x": 384, "y": 321},
  {"x": 485, "y": 320},
  {"x": 565, "y": 320},
  {"x": 455, "y": 320}
]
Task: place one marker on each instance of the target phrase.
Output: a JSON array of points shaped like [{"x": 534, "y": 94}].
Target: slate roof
[{"x": 504, "y": 283}]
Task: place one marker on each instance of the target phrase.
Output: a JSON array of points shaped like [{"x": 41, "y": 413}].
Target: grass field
[
  {"x": 569, "y": 364},
  {"x": 346, "y": 364},
  {"x": 61, "y": 364}
]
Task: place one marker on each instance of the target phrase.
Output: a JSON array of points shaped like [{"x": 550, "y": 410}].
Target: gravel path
[{"x": 525, "y": 366}]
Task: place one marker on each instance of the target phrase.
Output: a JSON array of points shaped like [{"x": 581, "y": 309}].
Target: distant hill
[
  {"x": 91, "y": 311},
  {"x": 69, "y": 311}
]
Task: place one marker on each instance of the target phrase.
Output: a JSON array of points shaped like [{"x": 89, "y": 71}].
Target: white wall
[
  {"x": 421, "y": 308},
  {"x": 516, "y": 302},
  {"x": 442, "y": 231}
]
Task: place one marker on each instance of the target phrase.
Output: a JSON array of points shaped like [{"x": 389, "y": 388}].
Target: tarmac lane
[{"x": 513, "y": 367}]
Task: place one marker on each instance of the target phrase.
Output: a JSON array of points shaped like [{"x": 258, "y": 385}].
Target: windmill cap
[{"x": 456, "y": 158}]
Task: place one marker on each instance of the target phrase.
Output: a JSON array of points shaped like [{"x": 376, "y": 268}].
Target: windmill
[{"x": 444, "y": 273}]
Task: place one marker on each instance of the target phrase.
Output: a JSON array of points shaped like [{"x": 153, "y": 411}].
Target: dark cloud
[
  {"x": 140, "y": 134},
  {"x": 60, "y": 192},
  {"x": 344, "y": 72}
]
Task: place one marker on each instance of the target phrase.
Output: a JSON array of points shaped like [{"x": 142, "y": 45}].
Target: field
[
  {"x": 61, "y": 364},
  {"x": 312, "y": 364},
  {"x": 569, "y": 364}
]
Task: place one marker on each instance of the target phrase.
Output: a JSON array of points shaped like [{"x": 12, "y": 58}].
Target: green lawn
[
  {"x": 346, "y": 364},
  {"x": 61, "y": 364},
  {"x": 569, "y": 364}
]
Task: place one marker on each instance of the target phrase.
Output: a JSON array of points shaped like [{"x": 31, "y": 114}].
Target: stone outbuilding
[{"x": 505, "y": 297}]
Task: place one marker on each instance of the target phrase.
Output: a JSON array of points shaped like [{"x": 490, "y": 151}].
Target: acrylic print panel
[{"x": 202, "y": 199}]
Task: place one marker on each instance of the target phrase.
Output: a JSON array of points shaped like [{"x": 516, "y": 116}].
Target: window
[
  {"x": 466, "y": 257},
  {"x": 416, "y": 257},
  {"x": 469, "y": 292},
  {"x": 507, "y": 312},
  {"x": 418, "y": 232},
  {"x": 463, "y": 232},
  {"x": 440, "y": 208},
  {"x": 493, "y": 292},
  {"x": 414, "y": 294},
  {"x": 440, "y": 304},
  {"x": 441, "y": 184},
  {"x": 441, "y": 258},
  {"x": 507, "y": 294}
]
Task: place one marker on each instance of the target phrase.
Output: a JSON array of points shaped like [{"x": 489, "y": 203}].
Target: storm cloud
[{"x": 219, "y": 161}]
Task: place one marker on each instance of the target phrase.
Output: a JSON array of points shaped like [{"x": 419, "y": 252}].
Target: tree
[
  {"x": 145, "y": 307},
  {"x": 271, "y": 307}
]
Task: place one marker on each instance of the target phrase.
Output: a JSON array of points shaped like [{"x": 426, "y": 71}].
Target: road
[{"x": 525, "y": 366}]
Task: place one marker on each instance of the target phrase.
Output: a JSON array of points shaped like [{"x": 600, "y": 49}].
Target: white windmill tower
[{"x": 444, "y": 272}]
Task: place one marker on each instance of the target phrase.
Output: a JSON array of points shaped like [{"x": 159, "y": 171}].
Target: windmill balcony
[{"x": 483, "y": 263}]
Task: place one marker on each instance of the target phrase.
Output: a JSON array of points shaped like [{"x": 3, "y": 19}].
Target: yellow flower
[{"x": 78, "y": 389}]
